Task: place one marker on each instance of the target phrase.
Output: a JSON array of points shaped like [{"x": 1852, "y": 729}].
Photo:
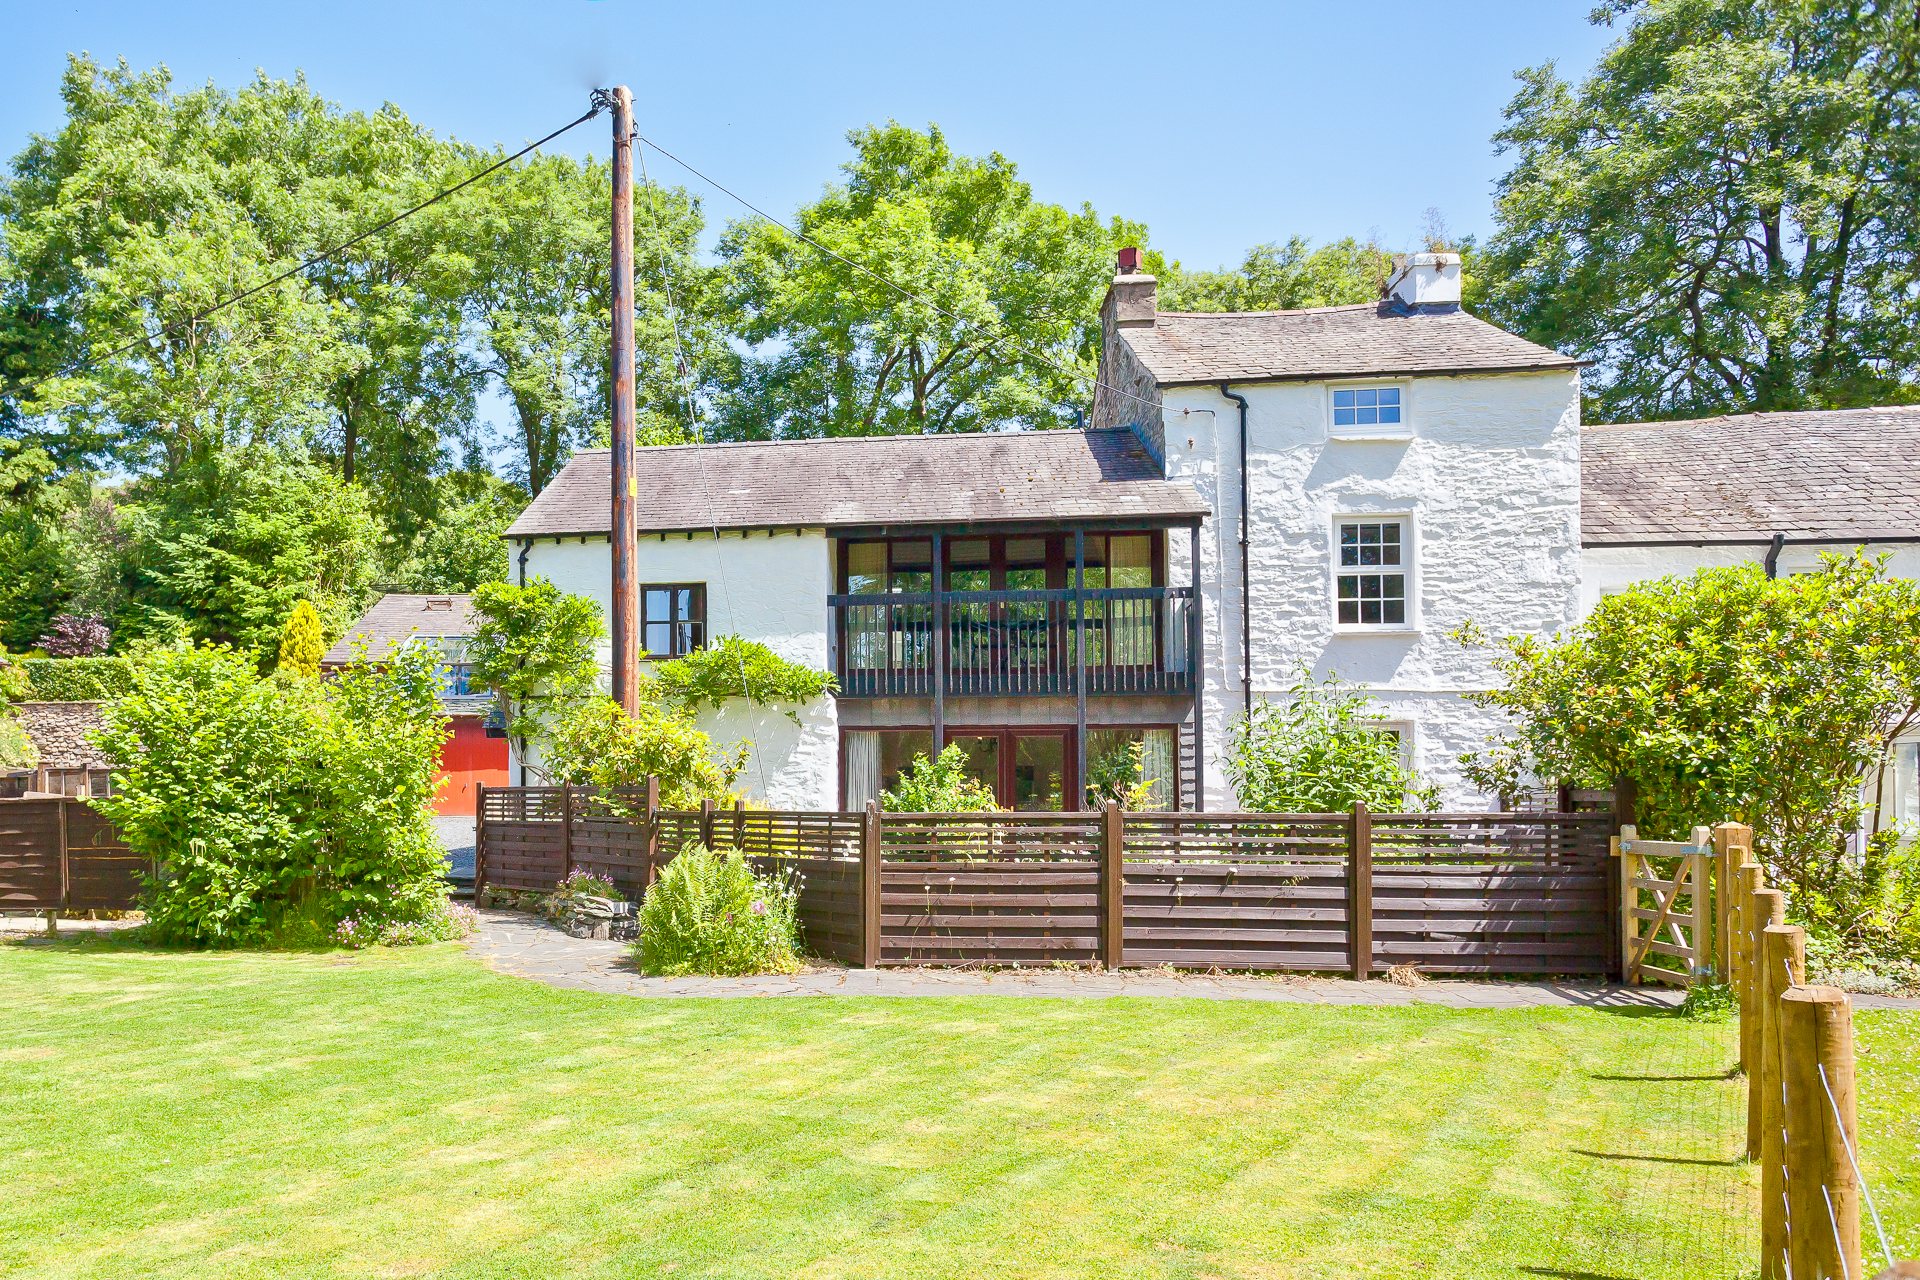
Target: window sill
[
  {"x": 1361, "y": 629},
  {"x": 1361, "y": 437}
]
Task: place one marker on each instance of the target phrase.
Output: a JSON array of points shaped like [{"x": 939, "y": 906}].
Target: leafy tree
[
  {"x": 597, "y": 744},
  {"x": 35, "y": 545},
  {"x": 1277, "y": 277},
  {"x": 540, "y": 303},
  {"x": 144, "y": 210},
  {"x": 74, "y": 635},
  {"x": 1728, "y": 695},
  {"x": 1722, "y": 213},
  {"x": 301, "y": 643},
  {"x": 277, "y": 808},
  {"x": 837, "y": 352},
  {"x": 460, "y": 546},
  {"x": 534, "y": 648},
  {"x": 222, "y": 551},
  {"x": 1320, "y": 751},
  {"x": 939, "y": 784}
]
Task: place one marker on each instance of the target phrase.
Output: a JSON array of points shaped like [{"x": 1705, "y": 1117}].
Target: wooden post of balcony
[
  {"x": 937, "y": 646},
  {"x": 1080, "y": 666},
  {"x": 1196, "y": 671}
]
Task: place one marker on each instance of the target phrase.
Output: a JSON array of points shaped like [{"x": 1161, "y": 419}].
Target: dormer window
[{"x": 1369, "y": 412}]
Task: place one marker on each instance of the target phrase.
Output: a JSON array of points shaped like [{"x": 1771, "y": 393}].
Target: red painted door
[{"x": 469, "y": 756}]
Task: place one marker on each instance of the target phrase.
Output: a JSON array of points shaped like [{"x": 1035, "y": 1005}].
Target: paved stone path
[{"x": 526, "y": 946}]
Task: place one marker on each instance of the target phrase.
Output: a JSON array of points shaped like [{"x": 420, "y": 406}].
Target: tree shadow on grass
[
  {"x": 1645, "y": 1159},
  {"x": 1571, "y": 1275}
]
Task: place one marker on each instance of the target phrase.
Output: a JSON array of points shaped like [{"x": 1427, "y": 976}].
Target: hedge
[{"x": 76, "y": 679}]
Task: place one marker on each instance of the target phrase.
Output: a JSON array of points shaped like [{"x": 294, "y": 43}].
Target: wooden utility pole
[{"x": 626, "y": 592}]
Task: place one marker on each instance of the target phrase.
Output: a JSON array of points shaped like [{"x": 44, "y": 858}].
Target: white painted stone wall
[
  {"x": 1607, "y": 569},
  {"x": 1490, "y": 479},
  {"x": 768, "y": 588}
]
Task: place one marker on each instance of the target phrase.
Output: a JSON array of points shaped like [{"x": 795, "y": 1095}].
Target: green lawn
[{"x": 408, "y": 1113}]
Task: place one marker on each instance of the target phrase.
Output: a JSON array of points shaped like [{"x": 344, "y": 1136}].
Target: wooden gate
[{"x": 1666, "y": 897}]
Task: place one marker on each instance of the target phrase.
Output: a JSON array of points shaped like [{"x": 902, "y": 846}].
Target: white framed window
[
  {"x": 1401, "y": 731},
  {"x": 1373, "y": 572},
  {"x": 1374, "y": 411}
]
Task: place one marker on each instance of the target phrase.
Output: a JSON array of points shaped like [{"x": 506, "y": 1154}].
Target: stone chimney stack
[
  {"x": 1130, "y": 298},
  {"x": 1426, "y": 281}
]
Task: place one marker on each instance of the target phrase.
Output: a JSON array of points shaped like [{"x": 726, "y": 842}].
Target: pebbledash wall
[
  {"x": 768, "y": 587},
  {"x": 1489, "y": 481}
]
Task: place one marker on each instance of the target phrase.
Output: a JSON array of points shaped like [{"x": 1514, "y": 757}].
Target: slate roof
[
  {"x": 1374, "y": 339},
  {"x": 395, "y": 617},
  {"x": 981, "y": 478},
  {"x": 59, "y": 730},
  {"x": 1840, "y": 475}
]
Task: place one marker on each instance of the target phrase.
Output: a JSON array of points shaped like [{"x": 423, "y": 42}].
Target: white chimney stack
[{"x": 1426, "y": 280}]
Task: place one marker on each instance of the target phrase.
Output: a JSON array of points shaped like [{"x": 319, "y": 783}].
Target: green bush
[
  {"x": 16, "y": 747},
  {"x": 276, "y": 808},
  {"x": 710, "y": 914},
  {"x": 76, "y": 679},
  {"x": 939, "y": 784},
  {"x": 1321, "y": 751},
  {"x": 597, "y": 744}
]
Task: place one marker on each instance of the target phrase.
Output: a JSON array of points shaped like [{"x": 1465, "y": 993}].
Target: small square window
[
  {"x": 1366, "y": 407},
  {"x": 673, "y": 618},
  {"x": 1370, "y": 589}
]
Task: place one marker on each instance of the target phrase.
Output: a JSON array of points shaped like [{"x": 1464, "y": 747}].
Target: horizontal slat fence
[
  {"x": 1493, "y": 893},
  {"x": 57, "y": 854},
  {"x": 1515, "y": 893},
  {"x": 1239, "y": 891},
  {"x": 993, "y": 888}
]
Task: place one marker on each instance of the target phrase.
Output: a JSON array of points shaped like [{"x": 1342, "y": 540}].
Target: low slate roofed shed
[
  {"x": 981, "y": 478},
  {"x": 386, "y": 625},
  {"x": 1837, "y": 475}
]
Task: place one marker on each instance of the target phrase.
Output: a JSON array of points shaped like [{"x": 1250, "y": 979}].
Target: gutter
[
  {"x": 1246, "y": 572},
  {"x": 1842, "y": 540},
  {"x": 1336, "y": 375}
]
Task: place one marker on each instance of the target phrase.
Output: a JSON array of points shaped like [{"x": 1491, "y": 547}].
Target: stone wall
[{"x": 59, "y": 730}]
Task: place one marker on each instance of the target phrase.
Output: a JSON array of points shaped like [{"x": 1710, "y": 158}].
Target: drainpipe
[
  {"x": 1772, "y": 561},
  {"x": 525, "y": 547},
  {"x": 1246, "y": 573}
]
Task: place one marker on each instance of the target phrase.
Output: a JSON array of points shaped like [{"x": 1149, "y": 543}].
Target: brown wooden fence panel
[
  {"x": 102, "y": 873},
  {"x": 610, "y": 838},
  {"x": 1493, "y": 893},
  {"x": 522, "y": 841},
  {"x": 822, "y": 852},
  {"x": 996, "y": 888},
  {"x": 30, "y": 872},
  {"x": 1237, "y": 891}
]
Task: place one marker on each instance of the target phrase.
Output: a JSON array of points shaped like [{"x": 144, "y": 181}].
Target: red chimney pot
[{"x": 1129, "y": 260}]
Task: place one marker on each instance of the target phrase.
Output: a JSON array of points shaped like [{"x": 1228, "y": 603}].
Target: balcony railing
[{"x": 1123, "y": 639}]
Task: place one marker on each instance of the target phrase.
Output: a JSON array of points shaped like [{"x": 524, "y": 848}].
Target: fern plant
[{"x": 709, "y": 913}]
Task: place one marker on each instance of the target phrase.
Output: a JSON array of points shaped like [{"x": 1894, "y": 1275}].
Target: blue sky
[{"x": 1220, "y": 125}]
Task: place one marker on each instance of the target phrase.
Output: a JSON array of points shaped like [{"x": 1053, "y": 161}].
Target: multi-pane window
[
  {"x": 1370, "y": 585},
  {"x": 673, "y": 618},
  {"x": 1366, "y": 407}
]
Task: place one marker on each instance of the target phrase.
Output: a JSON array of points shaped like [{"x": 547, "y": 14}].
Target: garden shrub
[
  {"x": 14, "y": 682},
  {"x": 450, "y": 922},
  {"x": 581, "y": 883},
  {"x": 76, "y": 679},
  {"x": 732, "y": 667},
  {"x": 597, "y": 744},
  {"x": 709, "y": 913},
  {"x": 17, "y": 749},
  {"x": 73, "y": 635},
  {"x": 1322, "y": 750},
  {"x": 938, "y": 784},
  {"x": 302, "y": 644},
  {"x": 277, "y": 808}
]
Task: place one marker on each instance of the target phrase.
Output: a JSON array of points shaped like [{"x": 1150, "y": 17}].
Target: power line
[
  {"x": 318, "y": 258},
  {"x": 991, "y": 330}
]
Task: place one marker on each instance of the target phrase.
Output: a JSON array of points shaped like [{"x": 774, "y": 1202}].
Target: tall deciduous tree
[
  {"x": 838, "y": 352},
  {"x": 1278, "y": 277},
  {"x": 1722, "y": 214}
]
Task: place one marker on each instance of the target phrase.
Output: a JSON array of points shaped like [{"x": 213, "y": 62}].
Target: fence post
[
  {"x": 1764, "y": 907},
  {"x": 706, "y": 823},
  {"x": 870, "y": 853},
  {"x": 1784, "y": 951},
  {"x": 1700, "y": 918},
  {"x": 479, "y": 844},
  {"x": 1747, "y": 881},
  {"x": 1728, "y": 838},
  {"x": 1622, "y": 849},
  {"x": 1113, "y": 885},
  {"x": 650, "y": 846},
  {"x": 739, "y": 823},
  {"x": 1360, "y": 891},
  {"x": 1816, "y": 1039},
  {"x": 566, "y": 830}
]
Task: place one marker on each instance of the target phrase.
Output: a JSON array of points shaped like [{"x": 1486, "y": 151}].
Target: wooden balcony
[{"x": 1123, "y": 640}]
